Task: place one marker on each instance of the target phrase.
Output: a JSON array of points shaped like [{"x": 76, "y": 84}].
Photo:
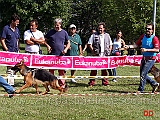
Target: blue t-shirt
[
  {"x": 57, "y": 40},
  {"x": 147, "y": 43},
  {"x": 11, "y": 37}
]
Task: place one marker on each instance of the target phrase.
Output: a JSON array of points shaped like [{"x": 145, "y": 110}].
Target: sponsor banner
[
  {"x": 90, "y": 62},
  {"x": 70, "y": 62},
  {"x": 11, "y": 58},
  {"x": 48, "y": 61}
]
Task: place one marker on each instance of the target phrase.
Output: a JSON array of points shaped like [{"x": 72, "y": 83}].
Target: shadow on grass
[{"x": 70, "y": 84}]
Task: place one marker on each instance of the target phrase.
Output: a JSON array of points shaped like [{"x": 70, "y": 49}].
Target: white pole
[{"x": 154, "y": 16}]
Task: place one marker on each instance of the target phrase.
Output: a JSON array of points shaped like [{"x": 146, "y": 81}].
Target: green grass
[{"x": 126, "y": 107}]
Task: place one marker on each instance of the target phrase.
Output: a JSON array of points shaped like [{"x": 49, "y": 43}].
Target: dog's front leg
[
  {"x": 23, "y": 87},
  {"x": 28, "y": 83}
]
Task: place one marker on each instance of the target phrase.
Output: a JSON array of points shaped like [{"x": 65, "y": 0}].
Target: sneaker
[
  {"x": 114, "y": 80},
  {"x": 10, "y": 95},
  {"x": 155, "y": 87},
  {"x": 73, "y": 81}
]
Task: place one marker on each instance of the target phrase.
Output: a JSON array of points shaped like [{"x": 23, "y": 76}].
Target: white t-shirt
[
  {"x": 90, "y": 41},
  {"x": 27, "y": 35}
]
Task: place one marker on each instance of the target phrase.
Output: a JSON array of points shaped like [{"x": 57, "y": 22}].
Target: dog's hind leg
[
  {"x": 47, "y": 89},
  {"x": 36, "y": 87}
]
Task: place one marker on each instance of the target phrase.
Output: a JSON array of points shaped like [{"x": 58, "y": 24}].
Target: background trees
[{"x": 128, "y": 15}]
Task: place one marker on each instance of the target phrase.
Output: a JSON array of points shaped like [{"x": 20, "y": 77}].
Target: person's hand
[
  {"x": 32, "y": 38},
  {"x": 49, "y": 49},
  {"x": 126, "y": 46},
  {"x": 64, "y": 51},
  {"x": 143, "y": 50}
]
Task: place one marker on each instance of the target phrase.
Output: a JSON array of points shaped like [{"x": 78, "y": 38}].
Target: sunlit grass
[{"x": 111, "y": 107}]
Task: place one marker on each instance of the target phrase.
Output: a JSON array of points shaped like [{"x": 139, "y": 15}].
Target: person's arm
[
  {"x": 48, "y": 47},
  {"x": 4, "y": 44},
  {"x": 41, "y": 40},
  {"x": 85, "y": 47},
  {"x": 90, "y": 41},
  {"x": 67, "y": 47},
  {"x": 123, "y": 44},
  {"x": 80, "y": 50}
]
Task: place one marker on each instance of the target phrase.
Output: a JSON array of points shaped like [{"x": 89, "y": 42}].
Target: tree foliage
[{"x": 130, "y": 16}]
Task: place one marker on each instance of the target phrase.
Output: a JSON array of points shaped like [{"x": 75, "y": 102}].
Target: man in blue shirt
[
  {"x": 57, "y": 38},
  {"x": 10, "y": 36}
]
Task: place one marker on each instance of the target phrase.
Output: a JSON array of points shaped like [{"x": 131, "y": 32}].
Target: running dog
[
  {"x": 156, "y": 73},
  {"x": 36, "y": 76}
]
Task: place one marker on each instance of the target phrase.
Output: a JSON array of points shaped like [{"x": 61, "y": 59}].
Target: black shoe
[
  {"x": 155, "y": 87},
  {"x": 10, "y": 95}
]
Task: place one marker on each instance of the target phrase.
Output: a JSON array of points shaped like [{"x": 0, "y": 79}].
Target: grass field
[{"x": 112, "y": 107}]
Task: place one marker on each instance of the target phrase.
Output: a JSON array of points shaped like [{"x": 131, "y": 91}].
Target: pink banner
[
  {"x": 70, "y": 62},
  {"x": 55, "y": 62},
  {"x": 90, "y": 62},
  {"x": 10, "y": 58}
]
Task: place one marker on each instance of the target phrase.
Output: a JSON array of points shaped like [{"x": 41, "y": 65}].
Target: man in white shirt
[
  {"x": 33, "y": 38},
  {"x": 100, "y": 44}
]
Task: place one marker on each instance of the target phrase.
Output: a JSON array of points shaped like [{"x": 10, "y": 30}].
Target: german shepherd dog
[
  {"x": 156, "y": 73},
  {"x": 36, "y": 76}
]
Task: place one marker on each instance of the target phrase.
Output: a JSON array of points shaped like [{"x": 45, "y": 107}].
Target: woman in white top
[{"x": 118, "y": 44}]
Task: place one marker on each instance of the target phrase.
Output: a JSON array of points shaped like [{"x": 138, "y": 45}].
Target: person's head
[
  {"x": 72, "y": 29},
  {"x": 101, "y": 27},
  {"x": 93, "y": 30},
  {"x": 118, "y": 33},
  {"x": 57, "y": 24},
  {"x": 33, "y": 25},
  {"x": 14, "y": 21},
  {"x": 149, "y": 29}
]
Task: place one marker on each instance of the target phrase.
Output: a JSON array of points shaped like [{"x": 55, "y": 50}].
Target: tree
[{"x": 44, "y": 11}]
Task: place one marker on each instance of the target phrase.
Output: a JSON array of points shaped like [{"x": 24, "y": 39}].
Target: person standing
[
  {"x": 57, "y": 38},
  {"x": 10, "y": 38},
  {"x": 118, "y": 42},
  {"x": 100, "y": 44},
  {"x": 149, "y": 47},
  {"x": 76, "y": 45},
  {"x": 33, "y": 38},
  {"x": 86, "y": 48}
]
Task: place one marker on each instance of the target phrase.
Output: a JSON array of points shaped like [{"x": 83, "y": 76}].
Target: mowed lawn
[{"x": 85, "y": 107}]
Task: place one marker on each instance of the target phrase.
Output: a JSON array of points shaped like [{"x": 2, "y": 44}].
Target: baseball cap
[{"x": 72, "y": 26}]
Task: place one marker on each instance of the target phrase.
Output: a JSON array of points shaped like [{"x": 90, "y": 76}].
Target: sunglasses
[{"x": 148, "y": 29}]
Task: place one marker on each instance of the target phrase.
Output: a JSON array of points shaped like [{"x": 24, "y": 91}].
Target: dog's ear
[{"x": 22, "y": 61}]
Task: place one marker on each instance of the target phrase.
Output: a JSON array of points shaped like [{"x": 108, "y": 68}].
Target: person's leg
[
  {"x": 144, "y": 68},
  {"x": 51, "y": 71},
  {"x": 92, "y": 81},
  {"x": 110, "y": 72},
  {"x": 104, "y": 80},
  {"x": 61, "y": 81},
  {"x": 114, "y": 74},
  {"x": 8, "y": 88},
  {"x": 72, "y": 74}
]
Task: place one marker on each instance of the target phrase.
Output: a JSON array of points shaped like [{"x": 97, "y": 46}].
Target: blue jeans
[
  {"x": 144, "y": 68},
  {"x": 8, "y": 88},
  {"x": 112, "y": 72}
]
